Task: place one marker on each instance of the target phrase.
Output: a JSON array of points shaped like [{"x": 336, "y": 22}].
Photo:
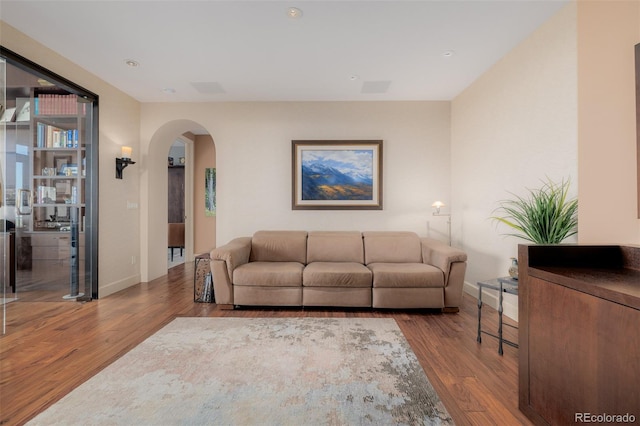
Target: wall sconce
[
  {"x": 123, "y": 162},
  {"x": 438, "y": 205}
]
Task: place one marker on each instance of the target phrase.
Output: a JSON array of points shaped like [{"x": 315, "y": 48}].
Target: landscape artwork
[
  {"x": 337, "y": 174},
  {"x": 210, "y": 192}
]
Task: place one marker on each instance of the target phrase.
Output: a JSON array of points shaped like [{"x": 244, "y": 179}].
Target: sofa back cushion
[
  {"x": 279, "y": 246},
  {"x": 339, "y": 246},
  {"x": 392, "y": 247}
]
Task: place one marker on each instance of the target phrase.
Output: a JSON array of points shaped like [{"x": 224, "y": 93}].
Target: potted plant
[{"x": 545, "y": 216}]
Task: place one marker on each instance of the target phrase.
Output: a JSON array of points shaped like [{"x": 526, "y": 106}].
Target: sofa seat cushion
[
  {"x": 406, "y": 275},
  {"x": 269, "y": 274},
  {"x": 336, "y": 274}
]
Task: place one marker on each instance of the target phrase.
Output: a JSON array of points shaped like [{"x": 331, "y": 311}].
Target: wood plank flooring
[{"x": 52, "y": 347}]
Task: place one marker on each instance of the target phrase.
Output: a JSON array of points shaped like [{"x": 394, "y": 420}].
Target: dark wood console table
[{"x": 579, "y": 333}]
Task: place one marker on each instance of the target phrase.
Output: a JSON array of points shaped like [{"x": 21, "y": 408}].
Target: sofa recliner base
[
  {"x": 340, "y": 297},
  {"x": 267, "y": 296},
  {"x": 408, "y": 298}
]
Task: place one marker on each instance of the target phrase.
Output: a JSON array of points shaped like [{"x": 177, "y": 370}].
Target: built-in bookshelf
[
  {"x": 53, "y": 126},
  {"x": 59, "y": 162}
]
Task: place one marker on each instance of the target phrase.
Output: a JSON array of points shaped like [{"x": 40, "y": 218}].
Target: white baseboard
[
  {"x": 116, "y": 286},
  {"x": 509, "y": 303}
]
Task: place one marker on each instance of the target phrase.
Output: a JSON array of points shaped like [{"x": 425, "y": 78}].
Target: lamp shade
[
  {"x": 438, "y": 204},
  {"x": 126, "y": 152}
]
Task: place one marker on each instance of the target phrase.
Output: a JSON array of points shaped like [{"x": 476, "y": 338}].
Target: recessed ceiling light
[
  {"x": 132, "y": 63},
  {"x": 448, "y": 53},
  {"x": 353, "y": 77},
  {"x": 169, "y": 90},
  {"x": 294, "y": 13}
]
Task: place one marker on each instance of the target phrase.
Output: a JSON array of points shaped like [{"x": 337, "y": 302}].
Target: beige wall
[
  {"x": 205, "y": 157},
  {"x": 119, "y": 124},
  {"x": 607, "y": 34},
  {"x": 560, "y": 104},
  {"x": 565, "y": 93},
  {"x": 253, "y": 162},
  {"x": 512, "y": 128}
]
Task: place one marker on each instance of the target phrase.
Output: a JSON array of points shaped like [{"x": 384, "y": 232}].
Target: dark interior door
[{"x": 176, "y": 194}]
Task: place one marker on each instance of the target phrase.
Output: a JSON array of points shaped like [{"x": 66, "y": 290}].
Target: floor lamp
[{"x": 437, "y": 205}]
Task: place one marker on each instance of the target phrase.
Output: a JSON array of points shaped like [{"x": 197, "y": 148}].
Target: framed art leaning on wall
[{"x": 336, "y": 175}]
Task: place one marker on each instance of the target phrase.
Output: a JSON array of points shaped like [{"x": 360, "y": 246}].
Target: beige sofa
[{"x": 343, "y": 269}]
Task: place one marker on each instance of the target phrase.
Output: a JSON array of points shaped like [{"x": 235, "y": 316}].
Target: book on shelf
[
  {"x": 41, "y": 130},
  {"x": 51, "y": 104},
  {"x": 48, "y": 136}
]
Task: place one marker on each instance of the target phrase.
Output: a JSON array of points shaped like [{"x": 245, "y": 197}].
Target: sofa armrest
[
  {"x": 439, "y": 254},
  {"x": 235, "y": 253},
  {"x": 453, "y": 262},
  {"x": 224, "y": 260}
]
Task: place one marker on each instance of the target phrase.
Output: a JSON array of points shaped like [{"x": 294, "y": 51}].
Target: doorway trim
[
  {"x": 154, "y": 203},
  {"x": 188, "y": 197}
]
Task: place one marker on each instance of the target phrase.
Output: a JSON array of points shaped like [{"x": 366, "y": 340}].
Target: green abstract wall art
[{"x": 210, "y": 192}]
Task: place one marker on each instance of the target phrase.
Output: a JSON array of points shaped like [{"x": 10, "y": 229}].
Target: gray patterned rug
[{"x": 259, "y": 371}]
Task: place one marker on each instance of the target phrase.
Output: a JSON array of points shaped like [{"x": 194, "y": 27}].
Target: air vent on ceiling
[
  {"x": 208, "y": 87},
  {"x": 376, "y": 86}
]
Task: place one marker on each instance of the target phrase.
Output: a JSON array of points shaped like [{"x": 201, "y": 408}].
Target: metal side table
[{"x": 501, "y": 285}]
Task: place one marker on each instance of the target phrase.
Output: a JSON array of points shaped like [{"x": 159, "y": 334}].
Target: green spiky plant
[{"x": 546, "y": 216}]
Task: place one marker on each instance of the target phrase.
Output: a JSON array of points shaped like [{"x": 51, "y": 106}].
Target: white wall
[
  {"x": 512, "y": 128},
  {"x": 253, "y": 161}
]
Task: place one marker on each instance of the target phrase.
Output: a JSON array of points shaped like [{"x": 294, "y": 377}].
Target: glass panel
[
  {"x": 49, "y": 144},
  {"x": 7, "y": 238}
]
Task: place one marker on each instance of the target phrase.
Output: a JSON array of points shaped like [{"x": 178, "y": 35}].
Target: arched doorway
[{"x": 154, "y": 206}]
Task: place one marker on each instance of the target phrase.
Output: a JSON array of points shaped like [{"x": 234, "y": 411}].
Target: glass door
[
  {"x": 7, "y": 238},
  {"x": 49, "y": 209}
]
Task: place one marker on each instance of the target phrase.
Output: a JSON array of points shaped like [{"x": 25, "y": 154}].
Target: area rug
[{"x": 259, "y": 371}]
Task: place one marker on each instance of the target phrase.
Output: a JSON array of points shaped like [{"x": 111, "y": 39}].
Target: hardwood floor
[
  {"x": 45, "y": 281},
  {"x": 52, "y": 347}
]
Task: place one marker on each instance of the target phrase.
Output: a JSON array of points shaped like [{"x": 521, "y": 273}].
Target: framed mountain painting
[{"x": 336, "y": 175}]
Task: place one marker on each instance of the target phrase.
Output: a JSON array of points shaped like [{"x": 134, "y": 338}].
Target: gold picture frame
[{"x": 336, "y": 175}]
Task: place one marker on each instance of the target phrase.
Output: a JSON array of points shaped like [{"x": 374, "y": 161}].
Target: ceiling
[{"x": 208, "y": 50}]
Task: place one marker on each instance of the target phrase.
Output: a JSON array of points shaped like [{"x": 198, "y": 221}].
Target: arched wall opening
[{"x": 154, "y": 203}]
